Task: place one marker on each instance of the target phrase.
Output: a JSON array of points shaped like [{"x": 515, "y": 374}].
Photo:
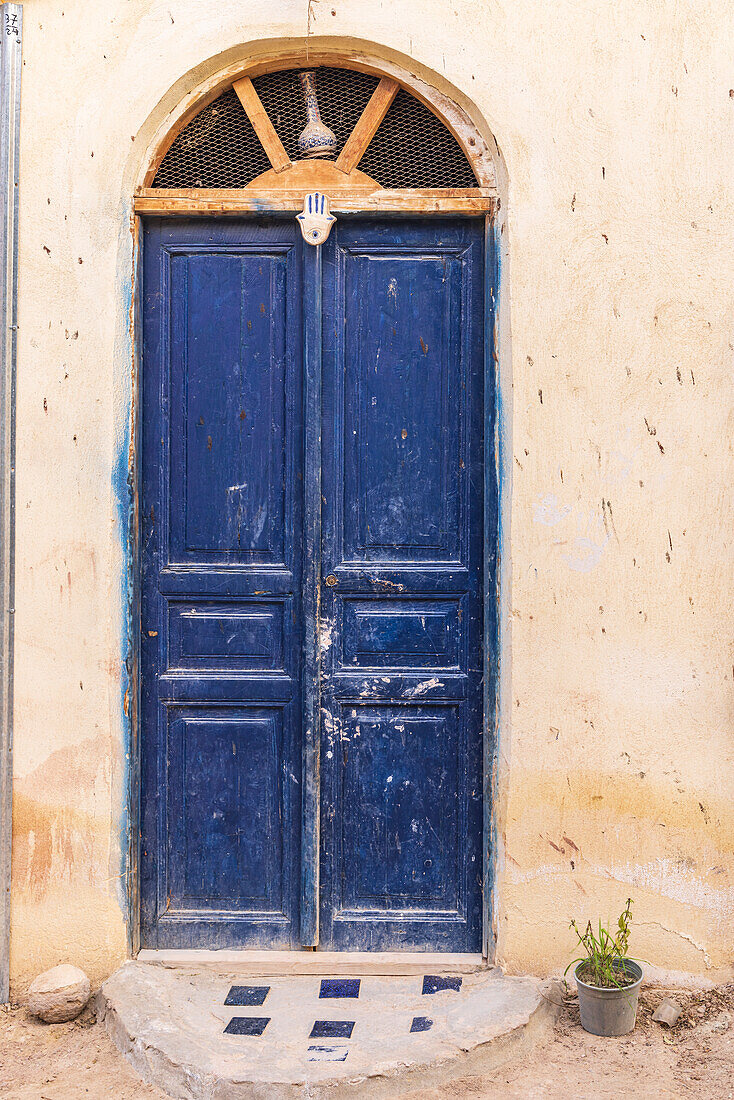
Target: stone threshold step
[
  {"x": 297, "y": 963},
  {"x": 188, "y": 1031}
]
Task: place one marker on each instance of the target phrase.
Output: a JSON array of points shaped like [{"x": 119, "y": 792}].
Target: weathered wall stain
[
  {"x": 608, "y": 835},
  {"x": 61, "y": 831},
  {"x": 56, "y": 844},
  {"x": 62, "y": 843}
]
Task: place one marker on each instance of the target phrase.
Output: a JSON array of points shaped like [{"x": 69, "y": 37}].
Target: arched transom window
[{"x": 263, "y": 141}]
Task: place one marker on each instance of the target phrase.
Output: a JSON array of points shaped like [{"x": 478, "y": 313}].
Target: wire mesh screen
[
  {"x": 413, "y": 148},
  {"x": 219, "y": 147},
  {"x": 342, "y": 95}
]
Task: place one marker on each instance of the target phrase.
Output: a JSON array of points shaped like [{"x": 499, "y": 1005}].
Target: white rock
[{"x": 59, "y": 994}]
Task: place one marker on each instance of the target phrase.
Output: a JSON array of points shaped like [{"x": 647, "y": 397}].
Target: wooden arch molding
[{"x": 283, "y": 187}]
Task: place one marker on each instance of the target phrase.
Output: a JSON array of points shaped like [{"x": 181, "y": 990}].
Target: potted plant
[{"x": 608, "y": 980}]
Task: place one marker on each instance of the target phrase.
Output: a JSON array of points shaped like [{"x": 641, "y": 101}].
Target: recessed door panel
[
  {"x": 227, "y": 636},
  {"x": 225, "y": 805},
  {"x": 395, "y": 633},
  {"x": 228, "y": 401},
  {"x": 401, "y": 403},
  {"x": 399, "y": 838}
]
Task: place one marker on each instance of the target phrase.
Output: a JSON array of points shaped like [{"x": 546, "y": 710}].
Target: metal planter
[{"x": 609, "y": 1011}]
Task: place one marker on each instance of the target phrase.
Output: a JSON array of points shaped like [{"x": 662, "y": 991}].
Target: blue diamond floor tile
[
  {"x": 247, "y": 1025},
  {"x": 247, "y": 995},
  {"x": 434, "y": 984},
  {"x": 421, "y": 1023},
  {"x": 327, "y": 1054},
  {"x": 340, "y": 987},
  {"x": 332, "y": 1029}
]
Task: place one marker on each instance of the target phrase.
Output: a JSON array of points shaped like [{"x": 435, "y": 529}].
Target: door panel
[
  {"x": 401, "y": 615},
  {"x": 402, "y": 497},
  {"x": 393, "y": 767},
  {"x": 421, "y": 633},
  {"x": 211, "y": 634},
  {"x": 221, "y": 589},
  {"x": 220, "y": 849},
  {"x": 228, "y": 446}
]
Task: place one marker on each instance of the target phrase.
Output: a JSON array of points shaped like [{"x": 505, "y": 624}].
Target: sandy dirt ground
[{"x": 693, "y": 1060}]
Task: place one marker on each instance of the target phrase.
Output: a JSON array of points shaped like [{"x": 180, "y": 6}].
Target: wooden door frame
[{"x": 278, "y": 200}]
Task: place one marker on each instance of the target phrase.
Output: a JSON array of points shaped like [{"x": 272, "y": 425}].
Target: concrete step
[
  {"x": 274, "y": 963},
  {"x": 396, "y": 1034}
]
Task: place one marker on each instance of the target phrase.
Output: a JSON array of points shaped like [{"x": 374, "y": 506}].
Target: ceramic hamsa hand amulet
[{"x": 315, "y": 220}]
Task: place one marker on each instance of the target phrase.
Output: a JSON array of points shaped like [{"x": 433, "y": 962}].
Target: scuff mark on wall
[
  {"x": 682, "y": 935},
  {"x": 591, "y": 539},
  {"x": 548, "y": 512}
]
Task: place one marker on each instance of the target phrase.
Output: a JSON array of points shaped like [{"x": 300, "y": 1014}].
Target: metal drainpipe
[{"x": 11, "y": 47}]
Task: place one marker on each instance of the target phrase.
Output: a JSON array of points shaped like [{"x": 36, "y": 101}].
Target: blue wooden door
[
  {"x": 401, "y": 600},
  {"x": 259, "y": 538},
  {"x": 221, "y": 516}
]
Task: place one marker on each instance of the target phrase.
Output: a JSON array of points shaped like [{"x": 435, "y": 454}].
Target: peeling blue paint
[
  {"x": 494, "y": 543},
  {"x": 124, "y": 499}
]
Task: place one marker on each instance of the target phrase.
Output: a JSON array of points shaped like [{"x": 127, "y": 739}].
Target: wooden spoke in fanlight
[
  {"x": 367, "y": 124},
  {"x": 261, "y": 124}
]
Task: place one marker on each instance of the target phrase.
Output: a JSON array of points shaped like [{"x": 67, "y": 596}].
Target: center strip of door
[{"x": 310, "y": 839}]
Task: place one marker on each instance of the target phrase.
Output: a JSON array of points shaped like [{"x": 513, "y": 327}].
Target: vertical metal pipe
[{"x": 10, "y": 70}]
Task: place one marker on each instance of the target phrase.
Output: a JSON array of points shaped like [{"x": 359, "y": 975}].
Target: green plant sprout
[{"x": 603, "y": 963}]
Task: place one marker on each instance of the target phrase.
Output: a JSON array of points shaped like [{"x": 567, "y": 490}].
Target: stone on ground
[{"x": 59, "y": 994}]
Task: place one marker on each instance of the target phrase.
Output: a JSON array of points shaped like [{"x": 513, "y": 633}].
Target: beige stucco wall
[{"x": 616, "y": 769}]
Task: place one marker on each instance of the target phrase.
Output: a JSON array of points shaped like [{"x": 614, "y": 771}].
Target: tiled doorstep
[{"x": 171, "y": 1024}]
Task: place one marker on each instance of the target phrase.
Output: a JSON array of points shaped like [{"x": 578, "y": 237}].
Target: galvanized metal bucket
[{"x": 609, "y": 1011}]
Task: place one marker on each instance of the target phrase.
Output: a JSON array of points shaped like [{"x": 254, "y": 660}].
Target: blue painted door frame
[{"x": 317, "y": 531}]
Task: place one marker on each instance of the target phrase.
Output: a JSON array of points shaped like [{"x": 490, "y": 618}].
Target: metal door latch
[{"x": 331, "y": 581}]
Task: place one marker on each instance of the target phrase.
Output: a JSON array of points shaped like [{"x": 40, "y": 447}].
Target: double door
[{"x": 311, "y": 611}]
